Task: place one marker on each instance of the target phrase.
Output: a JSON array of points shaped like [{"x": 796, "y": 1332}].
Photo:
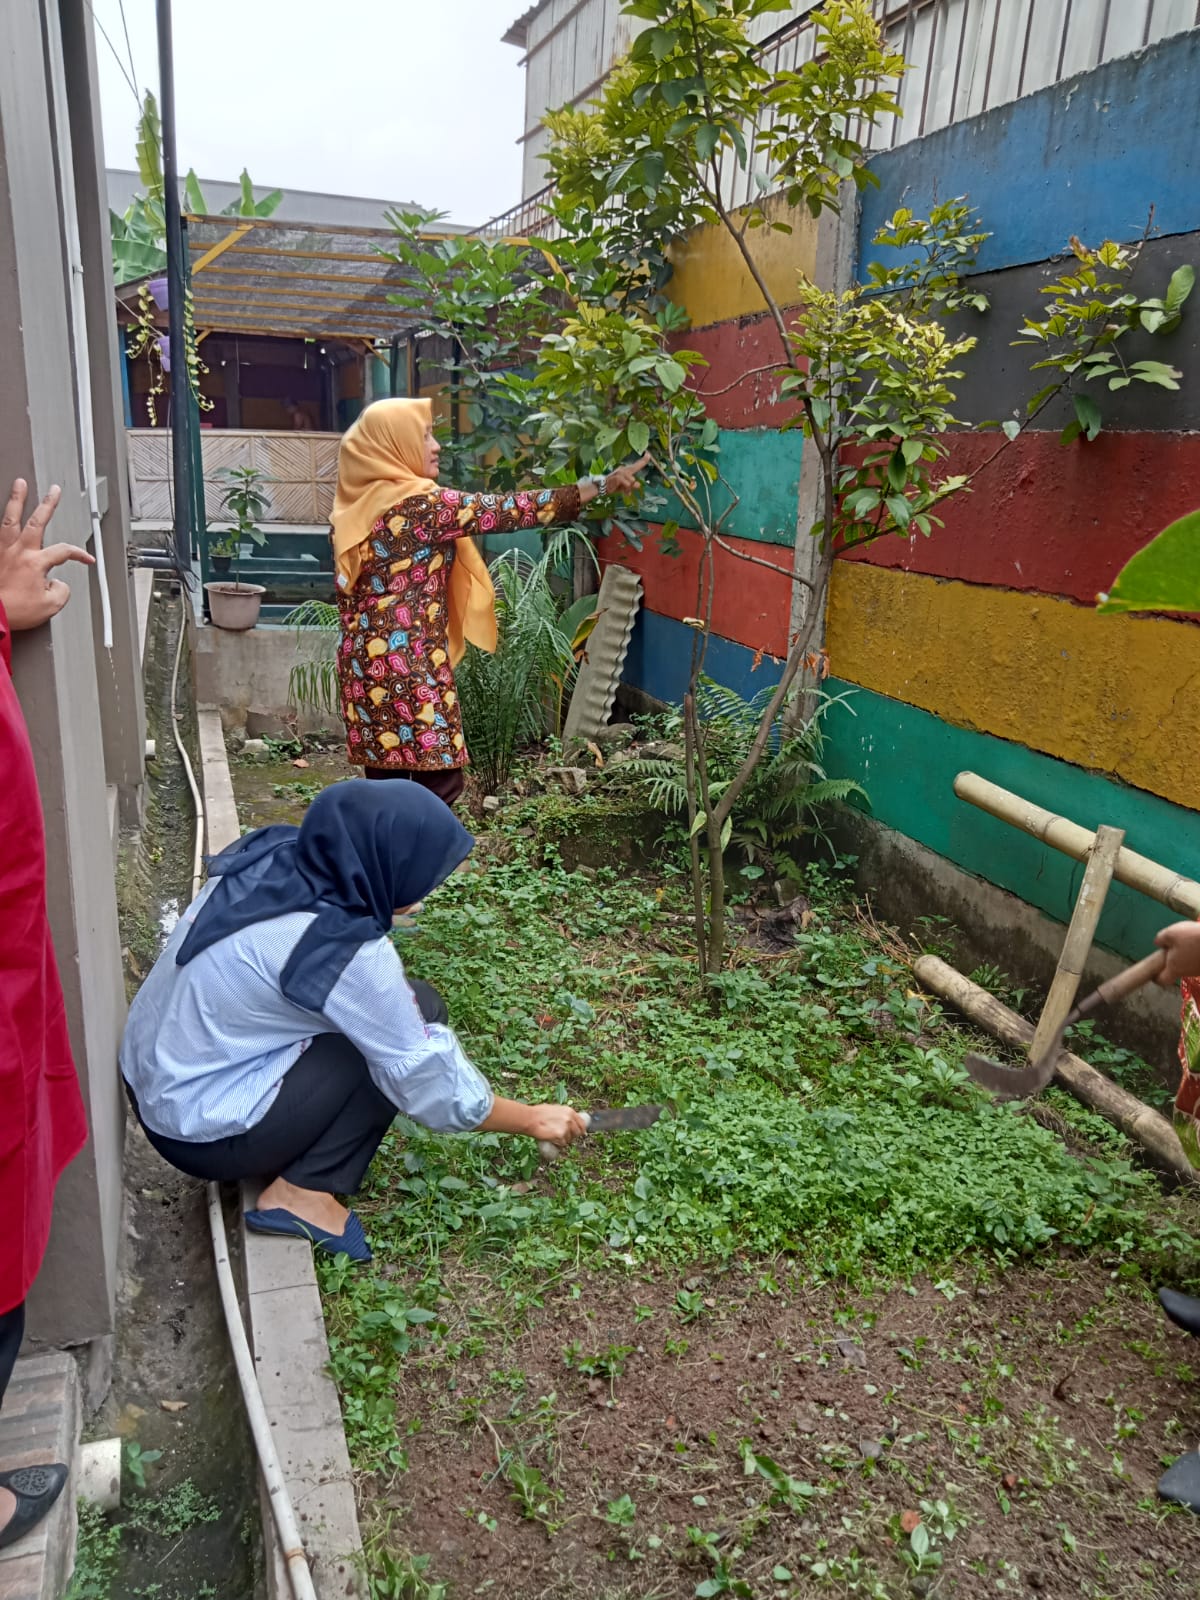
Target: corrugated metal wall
[{"x": 965, "y": 55}]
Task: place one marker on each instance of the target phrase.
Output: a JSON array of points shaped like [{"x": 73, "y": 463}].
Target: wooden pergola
[{"x": 257, "y": 275}]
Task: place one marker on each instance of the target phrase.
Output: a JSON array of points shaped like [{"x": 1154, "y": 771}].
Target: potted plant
[{"x": 235, "y": 606}]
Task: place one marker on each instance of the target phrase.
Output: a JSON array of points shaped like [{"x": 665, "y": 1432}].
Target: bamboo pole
[
  {"x": 1136, "y": 871},
  {"x": 1136, "y": 1120},
  {"x": 1102, "y": 859}
]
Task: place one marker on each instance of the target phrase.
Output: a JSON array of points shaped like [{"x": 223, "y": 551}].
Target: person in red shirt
[{"x": 42, "y": 1122}]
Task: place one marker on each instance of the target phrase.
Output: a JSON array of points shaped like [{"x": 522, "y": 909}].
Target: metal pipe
[{"x": 176, "y": 287}]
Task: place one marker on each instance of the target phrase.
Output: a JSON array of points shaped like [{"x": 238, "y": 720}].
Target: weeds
[{"x": 821, "y": 1131}]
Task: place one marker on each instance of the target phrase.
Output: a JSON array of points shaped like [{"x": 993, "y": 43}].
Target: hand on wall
[{"x": 29, "y": 595}]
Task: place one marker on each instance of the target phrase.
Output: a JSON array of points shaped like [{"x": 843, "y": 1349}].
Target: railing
[{"x": 965, "y": 57}]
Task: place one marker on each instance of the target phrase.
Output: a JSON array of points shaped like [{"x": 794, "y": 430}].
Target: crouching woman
[{"x": 278, "y": 1036}]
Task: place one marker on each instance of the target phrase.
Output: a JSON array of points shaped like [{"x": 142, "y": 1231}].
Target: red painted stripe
[
  {"x": 731, "y": 350},
  {"x": 750, "y": 604},
  {"x": 1049, "y": 519}
]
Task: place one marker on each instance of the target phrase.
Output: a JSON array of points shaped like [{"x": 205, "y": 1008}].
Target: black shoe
[
  {"x": 35, "y": 1490},
  {"x": 1180, "y": 1483},
  {"x": 1183, "y": 1310}
]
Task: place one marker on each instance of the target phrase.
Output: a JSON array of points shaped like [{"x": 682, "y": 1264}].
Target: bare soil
[{"x": 1040, "y": 1407}]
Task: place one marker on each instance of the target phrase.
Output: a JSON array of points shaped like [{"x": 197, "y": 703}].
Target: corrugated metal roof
[
  {"x": 266, "y": 276},
  {"x": 518, "y": 34},
  {"x": 298, "y": 205}
]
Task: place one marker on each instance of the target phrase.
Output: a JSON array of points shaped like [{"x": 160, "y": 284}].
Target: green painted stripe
[
  {"x": 907, "y": 760},
  {"x": 762, "y": 467},
  {"x": 526, "y": 539}
]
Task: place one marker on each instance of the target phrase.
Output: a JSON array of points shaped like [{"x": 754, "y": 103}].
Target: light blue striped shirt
[{"x": 207, "y": 1045}]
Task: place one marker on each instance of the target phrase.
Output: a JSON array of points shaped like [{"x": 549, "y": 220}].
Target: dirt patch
[
  {"x": 280, "y": 791},
  {"x": 616, "y": 1447},
  {"x": 190, "y": 1531}
]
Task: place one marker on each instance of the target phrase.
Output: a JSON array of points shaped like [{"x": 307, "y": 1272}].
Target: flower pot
[
  {"x": 158, "y": 292},
  {"x": 234, "y": 606},
  {"x": 221, "y": 564}
]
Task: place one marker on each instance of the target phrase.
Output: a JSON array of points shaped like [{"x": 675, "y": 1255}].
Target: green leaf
[
  {"x": 781, "y": 1574},
  {"x": 1070, "y": 433},
  {"x": 1088, "y": 414},
  {"x": 1156, "y": 372},
  {"x": 638, "y": 434},
  {"x": 919, "y": 1539},
  {"x": 699, "y": 824},
  {"x": 900, "y": 509},
  {"x": 1011, "y": 429},
  {"x": 1164, "y": 576},
  {"x": 670, "y": 374},
  {"x": 708, "y": 137},
  {"x": 912, "y": 450},
  {"x": 1183, "y": 280},
  {"x": 193, "y": 195}
]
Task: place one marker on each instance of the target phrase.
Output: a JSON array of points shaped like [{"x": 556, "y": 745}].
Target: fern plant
[
  {"x": 782, "y": 799},
  {"x": 775, "y": 804}
]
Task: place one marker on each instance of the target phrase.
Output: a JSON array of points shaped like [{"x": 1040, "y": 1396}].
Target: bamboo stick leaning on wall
[
  {"x": 1136, "y": 871},
  {"x": 1135, "y": 1119}
]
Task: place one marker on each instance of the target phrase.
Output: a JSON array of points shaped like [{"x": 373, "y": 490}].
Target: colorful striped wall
[{"x": 980, "y": 647}]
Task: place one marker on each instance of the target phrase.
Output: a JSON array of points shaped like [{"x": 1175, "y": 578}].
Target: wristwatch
[{"x": 599, "y": 479}]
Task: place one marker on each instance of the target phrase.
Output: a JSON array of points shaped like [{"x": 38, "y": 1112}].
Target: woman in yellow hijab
[{"x": 415, "y": 591}]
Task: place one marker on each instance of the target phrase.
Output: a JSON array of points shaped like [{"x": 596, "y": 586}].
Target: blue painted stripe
[
  {"x": 660, "y": 659},
  {"x": 907, "y": 761},
  {"x": 1086, "y": 157}
]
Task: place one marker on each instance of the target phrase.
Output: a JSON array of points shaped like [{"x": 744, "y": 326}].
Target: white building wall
[{"x": 964, "y": 55}]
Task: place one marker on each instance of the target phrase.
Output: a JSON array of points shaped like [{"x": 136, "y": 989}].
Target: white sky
[{"x": 402, "y": 100}]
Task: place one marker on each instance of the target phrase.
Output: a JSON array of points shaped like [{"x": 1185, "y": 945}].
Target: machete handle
[
  {"x": 1144, "y": 971},
  {"x": 555, "y": 1152}
]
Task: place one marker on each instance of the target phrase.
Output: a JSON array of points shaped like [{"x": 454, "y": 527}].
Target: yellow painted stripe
[
  {"x": 711, "y": 279},
  {"x": 1113, "y": 694}
]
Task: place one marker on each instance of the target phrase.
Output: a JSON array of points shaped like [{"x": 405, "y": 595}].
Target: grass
[
  {"x": 168, "y": 1516},
  {"x": 824, "y": 1151}
]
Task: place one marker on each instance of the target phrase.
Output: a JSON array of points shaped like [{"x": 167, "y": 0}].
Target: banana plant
[{"x": 139, "y": 238}]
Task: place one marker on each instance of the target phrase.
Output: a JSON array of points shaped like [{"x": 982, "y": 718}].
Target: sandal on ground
[
  {"x": 352, "y": 1242},
  {"x": 35, "y": 1489},
  {"x": 1183, "y": 1310},
  {"x": 1180, "y": 1483}
]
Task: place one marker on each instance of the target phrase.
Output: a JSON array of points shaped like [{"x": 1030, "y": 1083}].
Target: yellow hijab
[{"x": 380, "y": 463}]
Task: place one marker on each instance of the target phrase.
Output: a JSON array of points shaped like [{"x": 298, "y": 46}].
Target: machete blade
[{"x": 620, "y": 1119}]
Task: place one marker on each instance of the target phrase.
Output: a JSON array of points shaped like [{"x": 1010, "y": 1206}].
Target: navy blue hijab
[{"x": 362, "y": 851}]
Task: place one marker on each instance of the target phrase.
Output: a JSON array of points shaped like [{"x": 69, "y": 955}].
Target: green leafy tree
[{"x": 872, "y": 372}]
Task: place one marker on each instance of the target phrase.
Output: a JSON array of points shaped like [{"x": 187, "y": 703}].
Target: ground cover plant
[{"x": 838, "y": 1325}]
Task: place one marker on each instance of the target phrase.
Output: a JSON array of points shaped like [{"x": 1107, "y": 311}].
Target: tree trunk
[{"x": 690, "y": 779}]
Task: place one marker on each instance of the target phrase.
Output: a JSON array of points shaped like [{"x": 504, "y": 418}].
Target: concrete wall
[
  {"x": 979, "y": 648},
  {"x": 82, "y": 702},
  {"x": 246, "y": 676}
]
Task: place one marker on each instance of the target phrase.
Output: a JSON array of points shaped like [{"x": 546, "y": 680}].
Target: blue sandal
[{"x": 352, "y": 1242}]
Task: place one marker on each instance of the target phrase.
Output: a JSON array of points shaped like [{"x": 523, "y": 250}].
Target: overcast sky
[{"x": 402, "y": 100}]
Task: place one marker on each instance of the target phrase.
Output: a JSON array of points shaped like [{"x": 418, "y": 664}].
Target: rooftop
[
  {"x": 518, "y": 34},
  {"x": 297, "y": 205}
]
